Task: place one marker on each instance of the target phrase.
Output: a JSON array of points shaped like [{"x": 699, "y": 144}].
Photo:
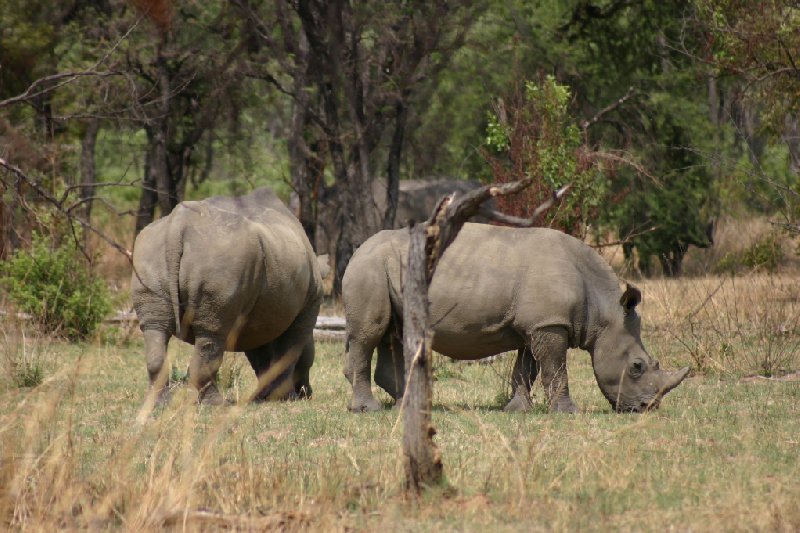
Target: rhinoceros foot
[
  {"x": 368, "y": 405},
  {"x": 210, "y": 395},
  {"x": 518, "y": 404},
  {"x": 563, "y": 405}
]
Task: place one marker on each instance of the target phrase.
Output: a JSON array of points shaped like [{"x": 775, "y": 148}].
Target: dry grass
[
  {"x": 721, "y": 454},
  {"x": 729, "y": 325}
]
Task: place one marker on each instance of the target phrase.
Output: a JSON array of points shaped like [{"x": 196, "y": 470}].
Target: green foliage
[
  {"x": 666, "y": 210},
  {"x": 766, "y": 253},
  {"x": 535, "y": 136},
  {"x": 56, "y": 287}
]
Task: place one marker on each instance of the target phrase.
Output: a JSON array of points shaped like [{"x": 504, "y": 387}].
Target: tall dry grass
[
  {"x": 728, "y": 325},
  {"x": 719, "y": 455}
]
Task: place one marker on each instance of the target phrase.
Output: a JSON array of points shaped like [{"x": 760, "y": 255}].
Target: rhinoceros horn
[{"x": 672, "y": 380}]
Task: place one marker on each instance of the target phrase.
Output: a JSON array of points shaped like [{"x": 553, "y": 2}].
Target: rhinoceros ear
[{"x": 630, "y": 298}]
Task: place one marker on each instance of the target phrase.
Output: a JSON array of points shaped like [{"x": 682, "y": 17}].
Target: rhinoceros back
[
  {"x": 492, "y": 286},
  {"x": 241, "y": 263}
]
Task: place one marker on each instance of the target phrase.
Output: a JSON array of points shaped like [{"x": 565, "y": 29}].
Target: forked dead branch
[{"x": 428, "y": 242}]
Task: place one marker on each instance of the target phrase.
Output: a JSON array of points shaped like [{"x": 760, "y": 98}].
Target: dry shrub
[
  {"x": 23, "y": 354},
  {"x": 728, "y": 325},
  {"x": 733, "y": 237}
]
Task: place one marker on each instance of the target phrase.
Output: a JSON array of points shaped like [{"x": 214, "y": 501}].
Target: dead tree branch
[
  {"x": 60, "y": 207},
  {"x": 596, "y": 118},
  {"x": 428, "y": 242}
]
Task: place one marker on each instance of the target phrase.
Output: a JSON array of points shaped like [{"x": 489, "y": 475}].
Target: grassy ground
[{"x": 721, "y": 454}]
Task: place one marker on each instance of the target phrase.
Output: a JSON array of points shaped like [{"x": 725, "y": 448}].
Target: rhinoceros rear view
[
  {"x": 496, "y": 289},
  {"x": 234, "y": 274}
]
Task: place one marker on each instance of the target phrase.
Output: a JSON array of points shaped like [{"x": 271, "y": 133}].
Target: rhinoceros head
[{"x": 629, "y": 378}]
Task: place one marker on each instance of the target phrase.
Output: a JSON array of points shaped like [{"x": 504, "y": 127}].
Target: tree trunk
[
  {"x": 87, "y": 167},
  {"x": 148, "y": 196},
  {"x": 714, "y": 115},
  {"x": 305, "y": 164},
  {"x": 157, "y": 137},
  {"x": 393, "y": 168},
  {"x": 423, "y": 464},
  {"x": 791, "y": 137}
]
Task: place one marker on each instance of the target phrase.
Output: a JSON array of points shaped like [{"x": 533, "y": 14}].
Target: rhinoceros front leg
[
  {"x": 522, "y": 377},
  {"x": 549, "y": 347},
  {"x": 155, "y": 347},
  {"x": 203, "y": 367}
]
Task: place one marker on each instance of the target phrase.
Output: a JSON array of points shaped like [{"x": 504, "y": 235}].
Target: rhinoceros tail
[{"x": 174, "y": 251}]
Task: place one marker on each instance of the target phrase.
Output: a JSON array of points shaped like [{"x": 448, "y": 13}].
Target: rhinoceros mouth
[{"x": 636, "y": 407}]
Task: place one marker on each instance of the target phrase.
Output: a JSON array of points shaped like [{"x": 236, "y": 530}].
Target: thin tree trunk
[
  {"x": 148, "y": 197},
  {"x": 87, "y": 167},
  {"x": 157, "y": 137},
  {"x": 423, "y": 463},
  {"x": 305, "y": 165},
  {"x": 393, "y": 168},
  {"x": 791, "y": 137}
]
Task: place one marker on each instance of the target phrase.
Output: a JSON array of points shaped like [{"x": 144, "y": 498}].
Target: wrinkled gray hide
[
  {"x": 229, "y": 274},
  {"x": 536, "y": 290}
]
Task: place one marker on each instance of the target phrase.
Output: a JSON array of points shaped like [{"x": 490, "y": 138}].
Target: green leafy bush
[
  {"x": 533, "y": 135},
  {"x": 56, "y": 287},
  {"x": 764, "y": 254}
]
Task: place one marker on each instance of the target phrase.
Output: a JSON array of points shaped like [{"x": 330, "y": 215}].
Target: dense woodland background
[{"x": 667, "y": 117}]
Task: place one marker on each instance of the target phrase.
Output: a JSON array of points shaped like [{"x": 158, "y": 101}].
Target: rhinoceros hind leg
[
  {"x": 549, "y": 348},
  {"x": 357, "y": 368},
  {"x": 301, "y": 379},
  {"x": 155, "y": 346},
  {"x": 390, "y": 367},
  {"x": 274, "y": 368},
  {"x": 203, "y": 368},
  {"x": 522, "y": 378}
]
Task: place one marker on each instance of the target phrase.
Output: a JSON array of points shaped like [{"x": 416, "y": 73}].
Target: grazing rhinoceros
[
  {"x": 496, "y": 289},
  {"x": 235, "y": 274}
]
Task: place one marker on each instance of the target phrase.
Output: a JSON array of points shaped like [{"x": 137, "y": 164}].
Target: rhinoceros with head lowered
[
  {"x": 229, "y": 274},
  {"x": 534, "y": 290}
]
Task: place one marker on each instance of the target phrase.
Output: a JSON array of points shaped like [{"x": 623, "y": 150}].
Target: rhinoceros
[
  {"x": 235, "y": 274},
  {"x": 534, "y": 290}
]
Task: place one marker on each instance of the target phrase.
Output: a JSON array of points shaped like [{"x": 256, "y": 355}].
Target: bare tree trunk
[
  {"x": 8, "y": 206},
  {"x": 791, "y": 137},
  {"x": 305, "y": 162},
  {"x": 148, "y": 196},
  {"x": 715, "y": 117},
  {"x": 393, "y": 168},
  {"x": 87, "y": 167},
  {"x": 157, "y": 136},
  {"x": 423, "y": 463}
]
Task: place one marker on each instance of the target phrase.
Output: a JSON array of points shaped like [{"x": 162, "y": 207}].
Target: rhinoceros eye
[{"x": 637, "y": 368}]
